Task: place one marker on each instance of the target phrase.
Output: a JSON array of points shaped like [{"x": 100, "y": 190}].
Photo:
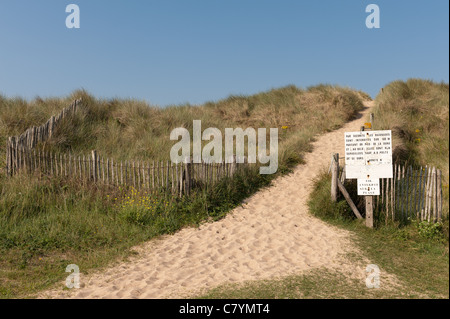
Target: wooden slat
[
  {"x": 334, "y": 177},
  {"x": 149, "y": 175},
  {"x": 433, "y": 206},
  {"x": 402, "y": 193},
  {"x": 177, "y": 178},
  {"x": 90, "y": 167},
  {"x": 419, "y": 191},
  {"x": 153, "y": 175},
  {"x": 181, "y": 179},
  {"x": 406, "y": 195},
  {"x": 173, "y": 178},
  {"x": 144, "y": 179},
  {"x": 211, "y": 173},
  {"x": 122, "y": 181},
  {"x": 349, "y": 200},
  {"x": 167, "y": 176},
  {"x": 439, "y": 195},
  {"x": 102, "y": 164},
  {"x": 423, "y": 195},
  {"x": 158, "y": 184},
  {"x": 127, "y": 172},
  {"x": 133, "y": 173},
  {"x": 386, "y": 202},
  {"x": 414, "y": 193},
  {"x": 138, "y": 173},
  {"x": 186, "y": 178},
  {"x": 107, "y": 171},
  {"x": 427, "y": 195}
]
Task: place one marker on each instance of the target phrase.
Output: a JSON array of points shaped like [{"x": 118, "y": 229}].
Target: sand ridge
[{"x": 270, "y": 235}]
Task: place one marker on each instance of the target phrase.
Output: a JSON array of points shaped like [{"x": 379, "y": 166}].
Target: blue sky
[{"x": 174, "y": 51}]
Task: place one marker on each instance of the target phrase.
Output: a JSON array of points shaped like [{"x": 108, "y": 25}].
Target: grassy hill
[
  {"x": 48, "y": 223},
  {"x": 418, "y": 113}
]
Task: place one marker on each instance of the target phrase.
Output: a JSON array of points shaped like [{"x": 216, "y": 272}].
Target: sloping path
[{"x": 271, "y": 235}]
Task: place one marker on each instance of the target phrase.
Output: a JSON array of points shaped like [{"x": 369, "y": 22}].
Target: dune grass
[
  {"x": 125, "y": 129},
  {"x": 49, "y": 223},
  {"x": 418, "y": 113}
]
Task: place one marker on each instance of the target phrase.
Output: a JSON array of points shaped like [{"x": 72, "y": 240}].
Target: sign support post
[
  {"x": 369, "y": 211},
  {"x": 334, "y": 177},
  {"x": 368, "y": 158},
  {"x": 368, "y": 199}
]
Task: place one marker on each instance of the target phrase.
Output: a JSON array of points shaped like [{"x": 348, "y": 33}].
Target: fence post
[
  {"x": 112, "y": 170},
  {"x": 408, "y": 198},
  {"x": 423, "y": 196},
  {"x": 8, "y": 156},
  {"x": 172, "y": 172},
  {"x": 349, "y": 200},
  {"x": 427, "y": 189},
  {"x": 94, "y": 164},
  {"x": 233, "y": 165},
  {"x": 369, "y": 211},
  {"x": 153, "y": 175},
  {"x": 167, "y": 176},
  {"x": 107, "y": 171},
  {"x": 187, "y": 176},
  {"x": 334, "y": 177},
  {"x": 439, "y": 195},
  {"x": 144, "y": 179},
  {"x": 414, "y": 208},
  {"x": 433, "y": 210},
  {"x": 181, "y": 179},
  {"x": 387, "y": 192}
]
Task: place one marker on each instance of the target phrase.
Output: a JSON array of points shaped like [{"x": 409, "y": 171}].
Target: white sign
[
  {"x": 368, "y": 154},
  {"x": 368, "y": 187}
]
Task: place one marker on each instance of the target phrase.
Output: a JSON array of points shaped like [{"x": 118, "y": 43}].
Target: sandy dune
[{"x": 271, "y": 235}]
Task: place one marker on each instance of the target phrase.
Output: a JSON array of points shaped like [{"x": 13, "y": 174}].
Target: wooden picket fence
[
  {"x": 414, "y": 192},
  {"x": 23, "y": 156},
  {"x": 35, "y": 135},
  {"x": 178, "y": 179}
]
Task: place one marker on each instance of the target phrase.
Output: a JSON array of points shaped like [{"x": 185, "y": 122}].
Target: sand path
[{"x": 271, "y": 235}]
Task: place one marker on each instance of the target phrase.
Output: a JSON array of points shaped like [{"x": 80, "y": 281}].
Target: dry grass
[
  {"x": 126, "y": 129},
  {"x": 417, "y": 112}
]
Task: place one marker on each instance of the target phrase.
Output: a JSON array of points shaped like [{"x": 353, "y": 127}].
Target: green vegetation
[
  {"x": 48, "y": 223},
  {"x": 316, "y": 284}
]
